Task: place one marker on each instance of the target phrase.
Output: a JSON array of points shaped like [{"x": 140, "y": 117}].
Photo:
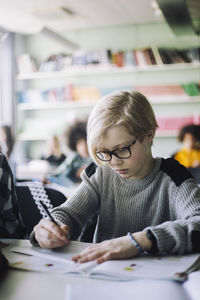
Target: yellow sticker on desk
[
  {"x": 128, "y": 269},
  {"x": 17, "y": 263}
]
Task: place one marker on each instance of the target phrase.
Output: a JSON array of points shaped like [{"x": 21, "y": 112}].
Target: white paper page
[
  {"x": 60, "y": 254},
  {"x": 137, "y": 289},
  {"x": 41, "y": 264},
  {"x": 145, "y": 267},
  {"x": 47, "y": 264},
  {"x": 192, "y": 285}
]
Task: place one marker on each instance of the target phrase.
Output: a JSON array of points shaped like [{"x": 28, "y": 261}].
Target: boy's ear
[{"x": 151, "y": 134}]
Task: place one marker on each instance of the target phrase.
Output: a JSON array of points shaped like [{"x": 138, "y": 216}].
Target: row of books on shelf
[
  {"x": 174, "y": 124},
  {"x": 137, "y": 57},
  {"x": 186, "y": 89},
  {"x": 70, "y": 92}
]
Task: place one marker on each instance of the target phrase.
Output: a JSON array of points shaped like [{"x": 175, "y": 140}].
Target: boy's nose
[{"x": 115, "y": 160}]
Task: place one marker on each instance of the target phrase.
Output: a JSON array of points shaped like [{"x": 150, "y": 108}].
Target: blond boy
[{"x": 144, "y": 204}]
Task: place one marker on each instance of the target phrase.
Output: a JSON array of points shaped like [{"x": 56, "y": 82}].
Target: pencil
[{"x": 47, "y": 212}]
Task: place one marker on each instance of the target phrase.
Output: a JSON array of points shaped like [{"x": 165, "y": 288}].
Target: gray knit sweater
[{"x": 167, "y": 202}]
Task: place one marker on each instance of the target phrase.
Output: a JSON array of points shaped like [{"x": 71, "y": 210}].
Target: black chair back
[
  {"x": 29, "y": 211},
  {"x": 88, "y": 231},
  {"x": 195, "y": 173}
]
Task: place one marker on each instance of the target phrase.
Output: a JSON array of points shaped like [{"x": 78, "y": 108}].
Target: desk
[
  {"x": 19, "y": 285},
  {"x": 22, "y": 285},
  {"x": 35, "y": 169},
  {"x": 39, "y": 169},
  {"x": 66, "y": 191}
]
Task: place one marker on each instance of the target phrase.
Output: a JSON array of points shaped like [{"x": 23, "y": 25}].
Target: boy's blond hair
[{"x": 129, "y": 109}]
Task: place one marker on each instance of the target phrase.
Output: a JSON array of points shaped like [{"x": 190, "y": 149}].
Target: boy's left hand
[{"x": 110, "y": 249}]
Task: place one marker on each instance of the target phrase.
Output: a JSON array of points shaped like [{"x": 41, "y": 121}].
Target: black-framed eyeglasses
[{"x": 121, "y": 153}]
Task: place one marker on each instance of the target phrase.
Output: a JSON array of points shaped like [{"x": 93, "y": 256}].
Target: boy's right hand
[{"x": 50, "y": 235}]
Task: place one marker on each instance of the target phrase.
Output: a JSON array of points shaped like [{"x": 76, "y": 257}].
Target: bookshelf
[{"x": 109, "y": 76}]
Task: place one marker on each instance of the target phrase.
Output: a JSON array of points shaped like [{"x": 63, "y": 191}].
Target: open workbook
[{"x": 59, "y": 260}]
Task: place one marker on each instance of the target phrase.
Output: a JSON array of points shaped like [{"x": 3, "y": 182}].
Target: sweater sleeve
[
  {"x": 176, "y": 237},
  {"x": 83, "y": 205}
]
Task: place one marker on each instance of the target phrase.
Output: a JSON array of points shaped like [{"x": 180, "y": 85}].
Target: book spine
[
  {"x": 157, "y": 55},
  {"x": 151, "y": 56}
]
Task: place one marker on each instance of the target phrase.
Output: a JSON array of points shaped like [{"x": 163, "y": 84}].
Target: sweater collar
[{"x": 142, "y": 181}]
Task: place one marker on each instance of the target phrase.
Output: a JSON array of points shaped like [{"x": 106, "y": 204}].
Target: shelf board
[
  {"x": 56, "y": 105},
  {"x": 105, "y": 70},
  {"x": 32, "y": 137},
  {"x": 89, "y": 104},
  {"x": 173, "y": 99},
  {"x": 166, "y": 134},
  {"x": 44, "y": 137}
]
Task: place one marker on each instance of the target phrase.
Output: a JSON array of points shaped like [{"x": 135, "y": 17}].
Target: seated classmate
[
  {"x": 69, "y": 172},
  {"x": 55, "y": 157},
  {"x": 7, "y": 145},
  {"x": 10, "y": 221},
  {"x": 189, "y": 154},
  {"x": 12, "y": 150},
  {"x": 154, "y": 200}
]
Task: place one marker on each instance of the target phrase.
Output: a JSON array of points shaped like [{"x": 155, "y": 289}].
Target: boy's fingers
[
  {"x": 53, "y": 228},
  {"x": 65, "y": 228}
]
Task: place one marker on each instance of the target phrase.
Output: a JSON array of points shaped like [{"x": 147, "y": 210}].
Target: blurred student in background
[
  {"x": 189, "y": 154},
  {"x": 7, "y": 143},
  {"x": 68, "y": 173},
  {"x": 55, "y": 156},
  {"x": 12, "y": 150}
]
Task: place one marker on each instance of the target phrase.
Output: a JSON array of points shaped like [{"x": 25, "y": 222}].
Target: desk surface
[{"x": 23, "y": 285}]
